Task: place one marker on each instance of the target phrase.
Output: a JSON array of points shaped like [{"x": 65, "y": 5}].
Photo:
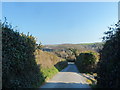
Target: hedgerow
[
  {"x": 109, "y": 65},
  {"x": 19, "y": 68},
  {"x": 87, "y": 61}
]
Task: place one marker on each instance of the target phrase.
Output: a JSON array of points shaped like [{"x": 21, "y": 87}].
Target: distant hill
[{"x": 80, "y": 47}]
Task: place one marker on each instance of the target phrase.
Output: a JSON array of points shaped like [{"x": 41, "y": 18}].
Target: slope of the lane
[{"x": 67, "y": 78}]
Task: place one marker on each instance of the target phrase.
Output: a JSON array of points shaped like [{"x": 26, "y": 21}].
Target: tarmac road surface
[{"x": 67, "y": 78}]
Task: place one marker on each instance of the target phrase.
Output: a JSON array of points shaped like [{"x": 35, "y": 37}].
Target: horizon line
[{"x": 73, "y": 43}]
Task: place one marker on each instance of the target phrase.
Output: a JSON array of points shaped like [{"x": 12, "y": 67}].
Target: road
[{"x": 67, "y": 78}]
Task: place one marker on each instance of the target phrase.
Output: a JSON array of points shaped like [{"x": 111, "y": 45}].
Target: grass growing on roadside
[
  {"x": 49, "y": 64},
  {"x": 89, "y": 81},
  {"x": 92, "y": 81},
  {"x": 49, "y": 72}
]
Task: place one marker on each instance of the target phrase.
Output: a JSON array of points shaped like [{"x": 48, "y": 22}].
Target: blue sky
[{"x": 60, "y": 22}]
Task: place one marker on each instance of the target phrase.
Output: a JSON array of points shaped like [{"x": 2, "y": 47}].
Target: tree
[{"x": 109, "y": 65}]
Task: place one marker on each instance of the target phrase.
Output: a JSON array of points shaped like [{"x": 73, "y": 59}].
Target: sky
[{"x": 62, "y": 22}]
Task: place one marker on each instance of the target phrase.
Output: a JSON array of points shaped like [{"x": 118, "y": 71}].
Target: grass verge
[{"x": 48, "y": 73}]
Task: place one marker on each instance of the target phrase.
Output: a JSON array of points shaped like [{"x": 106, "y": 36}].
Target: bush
[
  {"x": 86, "y": 61},
  {"x": 109, "y": 65},
  {"x": 19, "y": 68}
]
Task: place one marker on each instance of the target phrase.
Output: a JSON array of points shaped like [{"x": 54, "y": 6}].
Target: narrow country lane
[{"x": 67, "y": 78}]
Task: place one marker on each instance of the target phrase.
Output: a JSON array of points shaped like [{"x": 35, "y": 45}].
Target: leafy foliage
[
  {"x": 19, "y": 68},
  {"x": 109, "y": 65},
  {"x": 39, "y": 46},
  {"x": 86, "y": 61},
  {"x": 74, "y": 51}
]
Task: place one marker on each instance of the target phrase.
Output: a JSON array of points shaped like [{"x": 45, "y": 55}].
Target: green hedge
[
  {"x": 109, "y": 65},
  {"x": 87, "y": 61},
  {"x": 19, "y": 68}
]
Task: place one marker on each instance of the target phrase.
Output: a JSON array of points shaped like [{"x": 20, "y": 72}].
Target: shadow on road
[
  {"x": 61, "y": 65},
  {"x": 71, "y": 68},
  {"x": 65, "y": 85}
]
